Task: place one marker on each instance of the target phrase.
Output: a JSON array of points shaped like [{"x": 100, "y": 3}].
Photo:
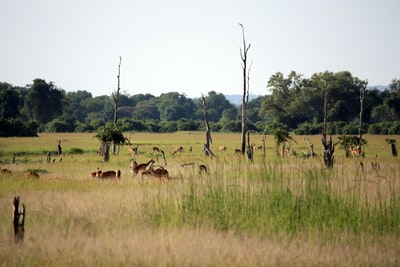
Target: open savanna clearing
[{"x": 273, "y": 211}]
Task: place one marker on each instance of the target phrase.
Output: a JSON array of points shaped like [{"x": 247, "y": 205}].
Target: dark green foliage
[
  {"x": 294, "y": 104},
  {"x": 110, "y": 133},
  {"x": 16, "y": 127}
]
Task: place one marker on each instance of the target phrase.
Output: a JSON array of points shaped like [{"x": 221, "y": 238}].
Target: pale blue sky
[{"x": 192, "y": 47}]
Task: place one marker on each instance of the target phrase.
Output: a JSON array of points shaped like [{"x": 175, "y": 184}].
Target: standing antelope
[
  {"x": 96, "y": 173},
  {"x": 110, "y": 174},
  {"x": 140, "y": 167}
]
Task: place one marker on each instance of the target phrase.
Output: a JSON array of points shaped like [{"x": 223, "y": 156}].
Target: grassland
[{"x": 275, "y": 211}]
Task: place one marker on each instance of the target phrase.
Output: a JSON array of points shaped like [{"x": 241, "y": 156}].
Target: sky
[{"x": 193, "y": 47}]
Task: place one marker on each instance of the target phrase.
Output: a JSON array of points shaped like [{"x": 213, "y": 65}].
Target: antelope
[
  {"x": 139, "y": 167},
  {"x": 133, "y": 150},
  {"x": 203, "y": 168},
  {"x": 177, "y": 149},
  {"x": 237, "y": 151},
  {"x": 32, "y": 174},
  {"x": 110, "y": 174},
  {"x": 222, "y": 148},
  {"x": 96, "y": 173},
  {"x": 159, "y": 173},
  {"x": 255, "y": 147},
  {"x": 156, "y": 149},
  {"x": 4, "y": 171},
  {"x": 133, "y": 163}
]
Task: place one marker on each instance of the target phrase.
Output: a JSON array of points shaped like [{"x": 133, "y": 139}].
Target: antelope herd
[{"x": 146, "y": 168}]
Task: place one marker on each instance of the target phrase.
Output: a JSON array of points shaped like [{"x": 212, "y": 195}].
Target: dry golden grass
[{"x": 73, "y": 220}]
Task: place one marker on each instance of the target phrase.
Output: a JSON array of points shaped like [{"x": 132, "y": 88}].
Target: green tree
[
  {"x": 44, "y": 101},
  {"x": 174, "y": 106},
  {"x": 10, "y": 103}
]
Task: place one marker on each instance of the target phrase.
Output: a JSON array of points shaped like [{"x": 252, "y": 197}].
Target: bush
[{"x": 59, "y": 125}]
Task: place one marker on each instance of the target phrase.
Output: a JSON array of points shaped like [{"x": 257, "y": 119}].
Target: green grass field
[{"x": 271, "y": 212}]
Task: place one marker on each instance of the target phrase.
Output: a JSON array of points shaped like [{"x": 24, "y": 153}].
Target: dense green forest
[{"x": 293, "y": 103}]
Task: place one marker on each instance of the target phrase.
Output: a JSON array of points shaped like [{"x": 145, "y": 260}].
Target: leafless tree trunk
[
  {"x": 243, "y": 55},
  {"x": 362, "y": 96},
  {"x": 115, "y": 96},
  {"x": 250, "y": 151},
  {"x": 207, "y": 150},
  {"x": 327, "y": 144},
  {"x": 18, "y": 220}
]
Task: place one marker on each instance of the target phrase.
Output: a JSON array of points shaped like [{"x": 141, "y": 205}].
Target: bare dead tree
[
  {"x": 362, "y": 97},
  {"x": 250, "y": 149},
  {"x": 18, "y": 220},
  {"x": 207, "y": 150},
  {"x": 115, "y": 97},
  {"x": 243, "y": 55},
  {"x": 327, "y": 144}
]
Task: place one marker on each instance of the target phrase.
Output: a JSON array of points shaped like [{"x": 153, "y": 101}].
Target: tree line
[{"x": 293, "y": 103}]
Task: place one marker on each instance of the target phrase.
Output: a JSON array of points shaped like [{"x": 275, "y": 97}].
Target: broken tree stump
[{"x": 18, "y": 220}]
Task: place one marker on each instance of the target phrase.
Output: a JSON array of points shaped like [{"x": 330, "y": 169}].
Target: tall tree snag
[
  {"x": 327, "y": 144},
  {"x": 115, "y": 97},
  {"x": 18, "y": 220},
  {"x": 362, "y": 96},
  {"x": 207, "y": 150},
  {"x": 243, "y": 55}
]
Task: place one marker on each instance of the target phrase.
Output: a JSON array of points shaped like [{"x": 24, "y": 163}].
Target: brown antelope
[
  {"x": 177, "y": 149},
  {"x": 255, "y": 147},
  {"x": 222, "y": 148},
  {"x": 95, "y": 174},
  {"x": 203, "y": 168},
  {"x": 237, "y": 151},
  {"x": 31, "y": 174},
  {"x": 134, "y": 150},
  {"x": 4, "y": 171},
  {"x": 155, "y": 149},
  {"x": 110, "y": 174},
  {"x": 133, "y": 163},
  {"x": 140, "y": 167},
  {"x": 159, "y": 173}
]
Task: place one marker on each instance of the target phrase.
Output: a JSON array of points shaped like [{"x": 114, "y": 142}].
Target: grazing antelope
[
  {"x": 31, "y": 174},
  {"x": 255, "y": 147},
  {"x": 155, "y": 149},
  {"x": 222, "y": 148},
  {"x": 177, "y": 149},
  {"x": 159, "y": 173},
  {"x": 4, "y": 171},
  {"x": 237, "y": 151},
  {"x": 140, "y": 167},
  {"x": 203, "y": 168},
  {"x": 110, "y": 174}
]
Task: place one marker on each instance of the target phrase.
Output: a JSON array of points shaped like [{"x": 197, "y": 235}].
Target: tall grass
[{"x": 273, "y": 211}]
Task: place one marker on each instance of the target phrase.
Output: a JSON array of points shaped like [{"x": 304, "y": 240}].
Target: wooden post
[{"x": 18, "y": 220}]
